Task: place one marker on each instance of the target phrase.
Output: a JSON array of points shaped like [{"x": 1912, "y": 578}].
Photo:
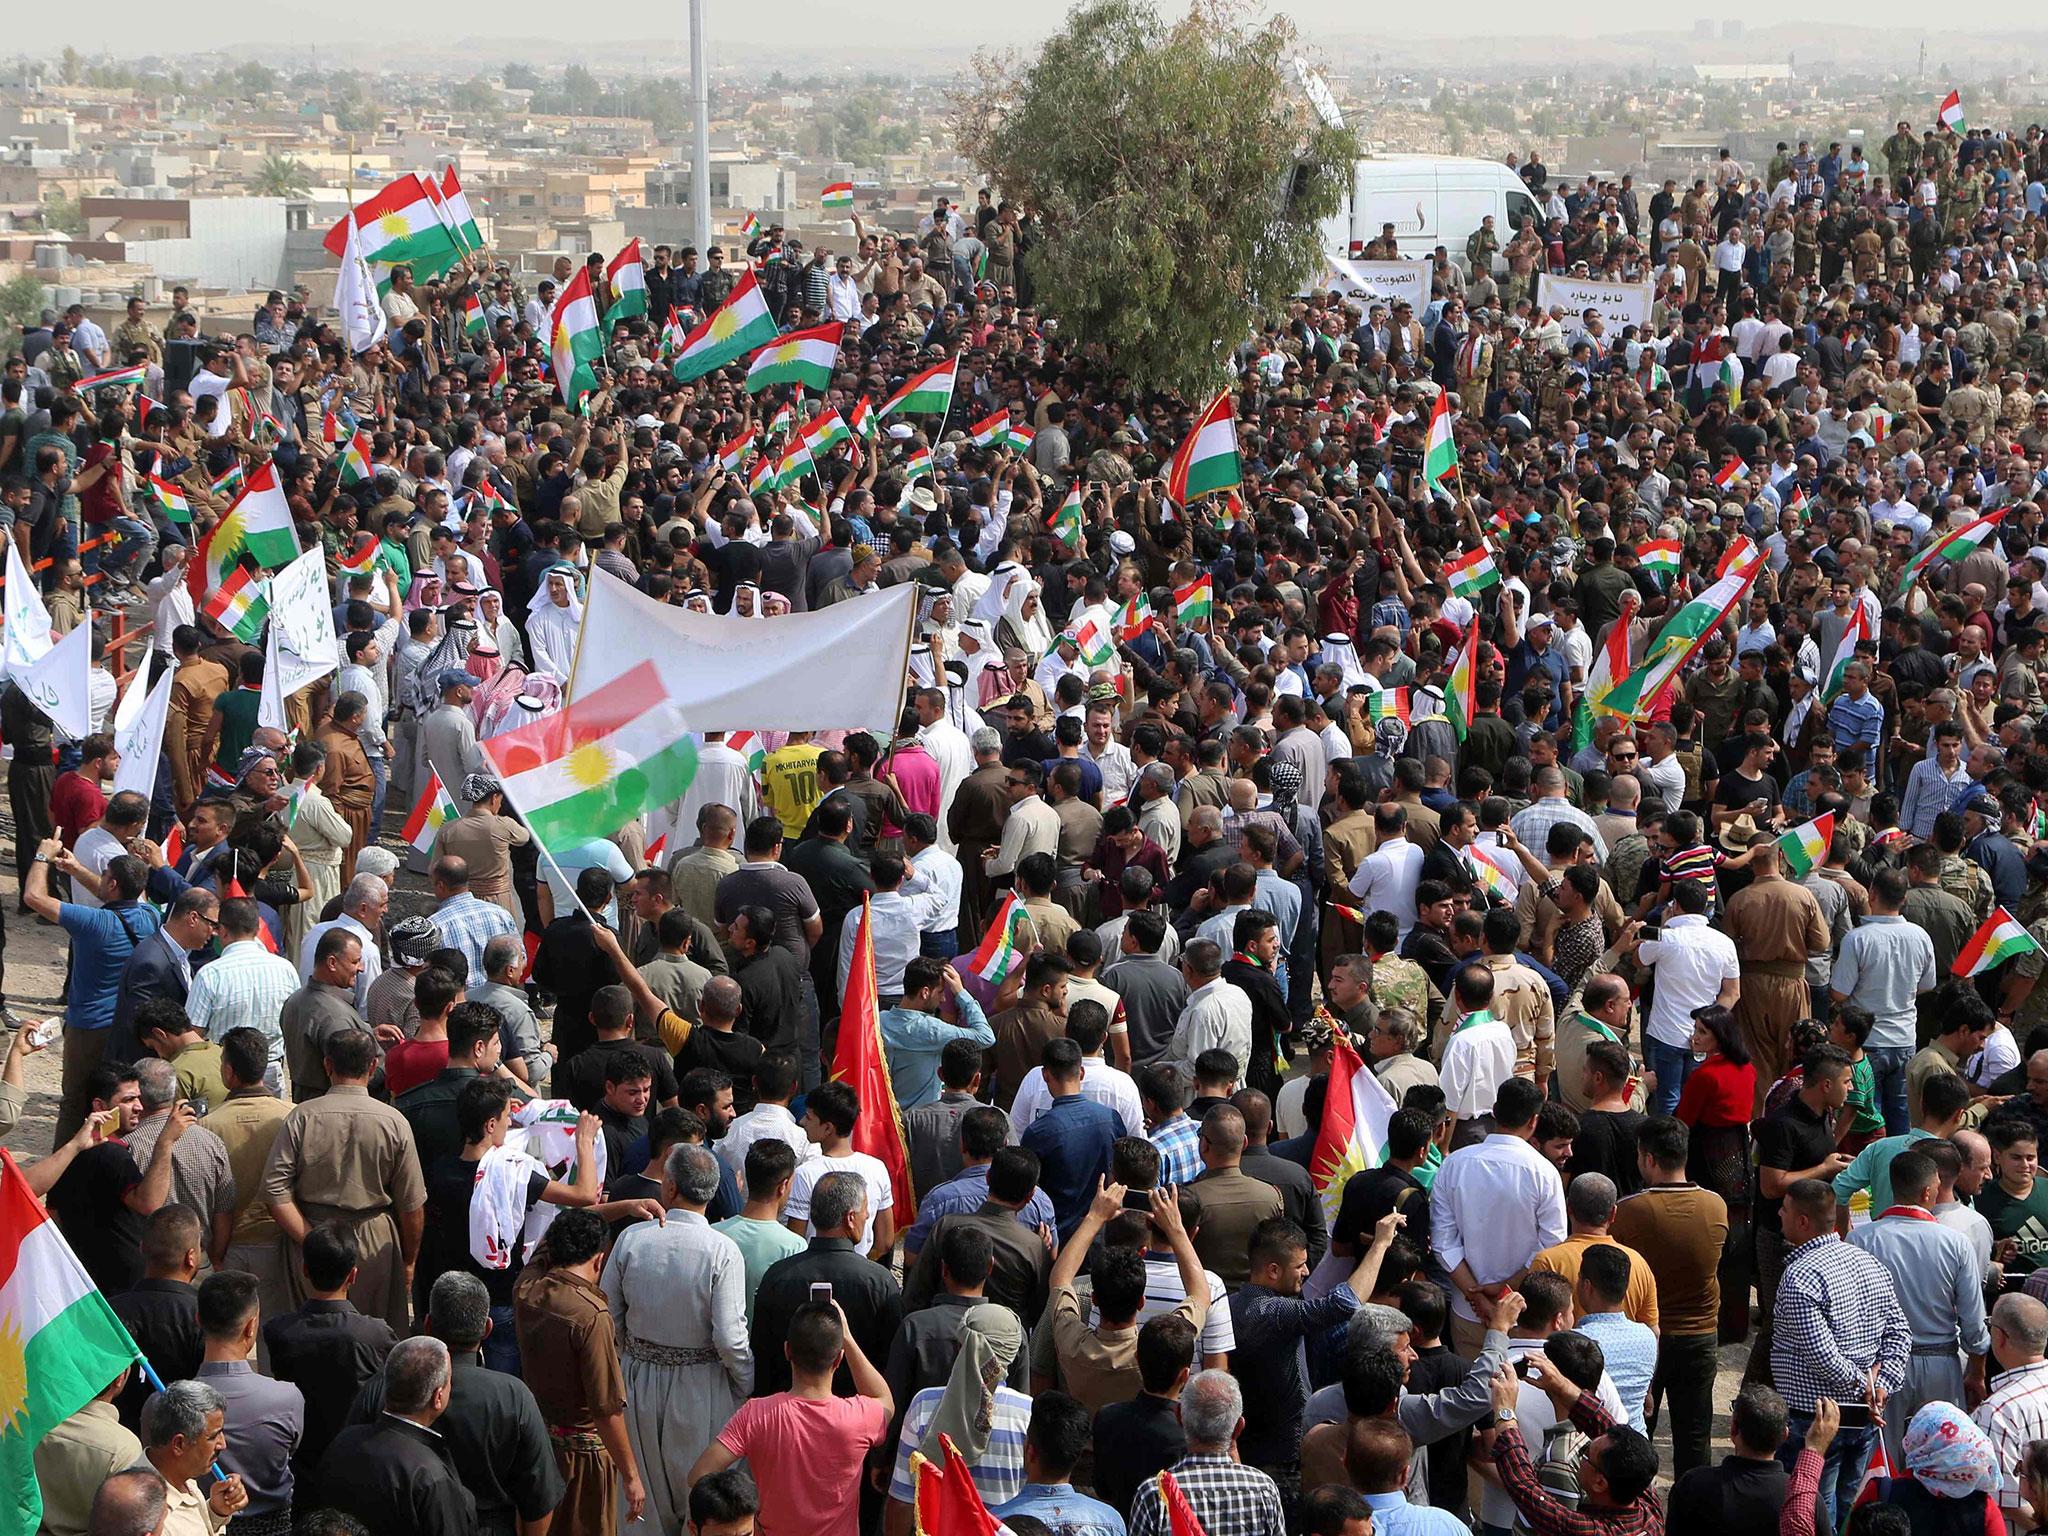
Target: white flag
[
  {"x": 355, "y": 295},
  {"x": 139, "y": 731},
  {"x": 27, "y": 621},
  {"x": 301, "y": 648},
  {"x": 59, "y": 683}
]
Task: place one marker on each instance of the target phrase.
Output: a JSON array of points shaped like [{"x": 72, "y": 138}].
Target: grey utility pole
[{"x": 700, "y": 143}]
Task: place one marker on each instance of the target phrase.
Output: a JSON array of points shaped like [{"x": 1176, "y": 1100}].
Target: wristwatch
[{"x": 1503, "y": 1415}]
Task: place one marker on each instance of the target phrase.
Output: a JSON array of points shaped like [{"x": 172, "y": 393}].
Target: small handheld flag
[{"x": 1999, "y": 940}]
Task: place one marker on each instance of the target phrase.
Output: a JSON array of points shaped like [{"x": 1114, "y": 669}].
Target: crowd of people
[{"x": 449, "y": 1184}]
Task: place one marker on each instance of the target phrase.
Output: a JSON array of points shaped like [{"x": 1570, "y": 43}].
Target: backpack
[{"x": 1556, "y": 1463}]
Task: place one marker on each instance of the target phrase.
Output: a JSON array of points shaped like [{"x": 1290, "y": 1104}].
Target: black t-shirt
[
  {"x": 1792, "y": 1136},
  {"x": 732, "y": 1052},
  {"x": 585, "y": 1082},
  {"x": 95, "y": 1219},
  {"x": 1606, "y": 1143},
  {"x": 451, "y": 1184},
  {"x": 1734, "y": 791}
]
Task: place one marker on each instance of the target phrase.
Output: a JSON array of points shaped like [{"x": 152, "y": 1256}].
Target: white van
[{"x": 1430, "y": 200}]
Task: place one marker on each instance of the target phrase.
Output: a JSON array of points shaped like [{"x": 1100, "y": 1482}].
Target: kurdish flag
[
  {"x": 575, "y": 340},
  {"x": 1796, "y": 500},
  {"x": 499, "y": 371},
  {"x": 229, "y": 480},
  {"x": 763, "y": 477},
  {"x": 355, "y": 459},
  {"x": 118, "y": 378},
  {"x": 1857, "y": 629},
  {"x": 1196, "y": 601},
  {"x": 862, "y": 419},
  {"x": 784, "y": 419},
  {"x": 1458, "y": 689},
  {"x": 1472, "y": 573},
  {"x": 1734, "y": 472},
  {"x": 823, "y": 431},
  {"x": 1355, "y": 1115},
  {"x": 1805, "y": 848},
  {"x": 1953, "y": 545},
  {"x": 915, "y": 463},
  {"x": 363, "y": 559},
  {"x": 240, "y": 604},
  {"x": 990, "y": 429},
  {"x": 1019, "y": 438},
  {"x": 170, "y": 498},
  {"x": 627, "y": 274},
  {"x": 1683, "y": 634},
  {"x": 734, "y": 453},
  {"x": 258, "y": 526},
  {"x": 1134, "y": 618},
  {"x": 929, "y": 394},
  {"x": 732, "y": 330},
  {"x": 838, "y": 197},
  {"x": 1387, "y": 704},
  {"x": 750, "y": 226},
  {"x": 472, "y": 315},
  {"x": 673, "y": 335},
  {"x": 60, "y": 1342},
  {"x": 749, "y": 745},
  {"x": 1951, "y": 114},
  {"x": 429, "y": 812},
  {"x": 1092, "y": 638},
  {"x": 1610, "y": 668},
  {"x": 455, "y": 202},
  {"x": 1004, "y": 947},
  {"x": 1207, "y": 459},
  {"x": 1660, "y": 557},
  {"x": 803, "y": 358},
  {"x": 1999, "y": 940},
  {"x": 1741, "y": 555},
  {"x": 796, "y": 463},
  {"x": 1440, "y": 450},
  {"x": 399, "y": 224},
  {"x": 1066, "y": 521},
  {"x": 610, "y": 756},
  {"x": 1489, "y": 876}
]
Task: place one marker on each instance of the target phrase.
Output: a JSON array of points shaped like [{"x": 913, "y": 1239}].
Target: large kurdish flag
[
  {"x": 1999, "y": 940},
  {"x": 399, "y": 224},
  {"x": 240, "y": 604},
  {"x": 1004, "y": 947},
  {"x": 732, "y": 330},
  {"x": 258, "y": 525},
  {"x": 929, "y": 394},
  {"x": 1464, "y": 678},
  {"x": 1472, "y": 573},
  {"x": 1953, "y": 545},
  {"x": 608, "y": 757},
  {"x": 805, "y": 358},
  {"x": 575, "y": 340},
  {"x": 1207, "y": 460},
  {"x": 627, "y": 274},
  {"x": 60, "y": 1342}
]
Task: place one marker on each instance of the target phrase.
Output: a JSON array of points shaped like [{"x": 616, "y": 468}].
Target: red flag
[
  {"x": 233, "y": 891},
  {"x": 860, "y": 1061},
  {"x": 1180, "y": 1514},
  {"x": 944, "y": 1500}
]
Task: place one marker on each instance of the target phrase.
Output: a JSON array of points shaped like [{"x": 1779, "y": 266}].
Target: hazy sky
[{"x": 866, "y": 28}]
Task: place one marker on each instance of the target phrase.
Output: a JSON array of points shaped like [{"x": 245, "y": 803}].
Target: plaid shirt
[
  {"x": 1837, "y": 1314},
  {"x": 2015, "y": 1415},
  {"x": 468, "y": 923},
  {"x": 1229, "y": 1499},
  {"x": 1540, "y": 1509},
  {"x": 1179, "y": 1141},
  {"x": 246, "y": 985}
]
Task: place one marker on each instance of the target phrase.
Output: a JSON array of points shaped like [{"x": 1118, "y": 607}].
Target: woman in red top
[{"x": 1715, "y": 1106}]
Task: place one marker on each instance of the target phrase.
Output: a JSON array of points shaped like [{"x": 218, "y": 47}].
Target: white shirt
[
  {"x": 1477, "y": 1060},
  {"x": 206, "y": 382},
  {"x": 1493, "y": 1208},
  {"x": 1218, "y": 1016},
  {"x": 1386, "y": 880},
  {"x": 881, "y": 1194},
  {"x": 842, "y": 297},
  {"x": 953, "y": 750},
  {"x": 1692, "y": 959},
  {"x": 1119, "y": 773},
  {"x": 1100, "y": 1081},
  {"x": 897, "y": 931},
  {"x": 170, "y": 604},
  {"x": 936, "y": 876},
  {"x": 764, "y": 1122},
  {"x": 96, "y": 849},
  {"x": 1668, "y": 777}
]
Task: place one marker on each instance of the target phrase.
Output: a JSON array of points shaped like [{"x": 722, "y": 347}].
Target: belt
[
  {"x": 1788, "y": 969},
  {"x": 568, "y": 1437},
  {"x": 669, "y": 1354},
  {"x": 1947, "y": 1347}
]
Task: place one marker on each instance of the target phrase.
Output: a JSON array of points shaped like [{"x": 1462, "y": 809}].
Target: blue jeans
[
  {"x": 380, "y": 770},
  {"x": 940, "y": 946},
  {"x": 1673, "y": 1064},
  {"x": 1841, "y": 1474},
  {"x": 1888, "y": 1068},
  {"x": 501, "y": 1348},
  {"x": 133, "y": 541}
]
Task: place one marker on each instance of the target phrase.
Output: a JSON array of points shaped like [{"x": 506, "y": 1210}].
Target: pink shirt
[
  {"x": 916, "y": 774},
  {"x": 806, "y": 1456}
]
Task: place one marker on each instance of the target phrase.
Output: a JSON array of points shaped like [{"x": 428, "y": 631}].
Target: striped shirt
[
  {"x": 1630, "y": 1352},
  {"x": 999, "y": 1475},
  {"x": 246, "y": 985},
  {"x": 2016, "y": 1413}
]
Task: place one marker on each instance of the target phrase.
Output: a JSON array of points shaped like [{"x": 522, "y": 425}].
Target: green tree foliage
[
  {"x": 521, "y": 77},
  {"x": 280, "y": 176},
  {"x": 475, "y": 97},
  {"x": 63, "y": 214},
  {"x": 21, "y": 302},
  {"x": 1161, "y": 161}
]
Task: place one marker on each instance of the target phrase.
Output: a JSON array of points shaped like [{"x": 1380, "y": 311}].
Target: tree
[
  {"x": 521, "y": 77},
  {"x": 21, "y": 301},
  {"x": 280, "y": 176},
  {"x": 254, "y": 78},
  {"x": 1177, "y": 173},
  {"x": 474, "y": 98},
  {"x": 63, "y": 214}
]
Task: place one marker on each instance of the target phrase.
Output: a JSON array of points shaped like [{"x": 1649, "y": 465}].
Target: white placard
[
  {"x": 1619, "y": 303},
  {"x": 1387, "y": 282}
]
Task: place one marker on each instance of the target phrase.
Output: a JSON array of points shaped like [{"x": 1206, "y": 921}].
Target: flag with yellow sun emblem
[
  {"x": 736, "y": 327},
  {"x": 610, "y": 756},
  {"x": 60, "y": 1342}
]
